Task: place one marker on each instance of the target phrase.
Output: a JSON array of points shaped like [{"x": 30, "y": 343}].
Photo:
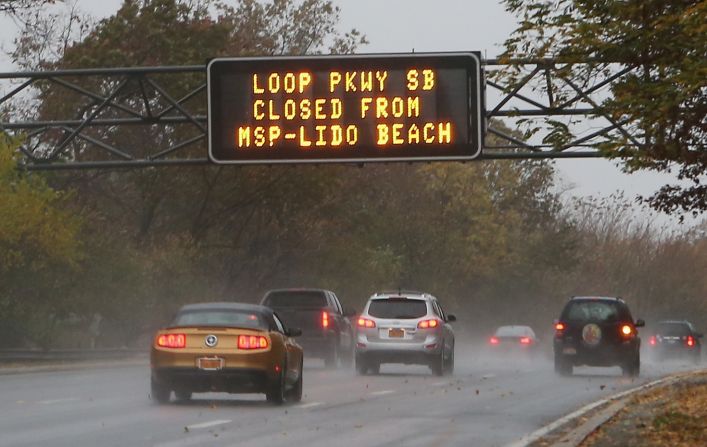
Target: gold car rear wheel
[
  {"x": 159, "y": 392},
  {"x": 276, "y": 393},
  {"x": 182, "y": 395},
  {"x": 295, "y": 394}
]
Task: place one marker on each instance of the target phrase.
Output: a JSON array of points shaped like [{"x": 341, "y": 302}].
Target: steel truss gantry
[{"x": 74, "y": 119}]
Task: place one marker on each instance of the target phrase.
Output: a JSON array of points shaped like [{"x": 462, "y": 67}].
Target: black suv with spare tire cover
[{"x": 597, "y": 331}]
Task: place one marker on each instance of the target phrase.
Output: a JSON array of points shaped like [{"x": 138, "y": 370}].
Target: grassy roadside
[{"x": 672, "y": 415}]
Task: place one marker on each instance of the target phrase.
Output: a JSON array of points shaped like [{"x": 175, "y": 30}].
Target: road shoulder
[
  {"x": 672, "y": 414},
  {"x": 589, "y": 426}
]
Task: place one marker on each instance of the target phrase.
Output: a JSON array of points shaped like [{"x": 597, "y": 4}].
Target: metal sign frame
[
  {"x": 475, "y": 98},
  {"x": 100, "y": 102}
]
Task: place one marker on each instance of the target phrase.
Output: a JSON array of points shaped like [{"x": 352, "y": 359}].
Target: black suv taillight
[
  {"x": 627, "y": 330},
  {"x": 560, "y": 329}
]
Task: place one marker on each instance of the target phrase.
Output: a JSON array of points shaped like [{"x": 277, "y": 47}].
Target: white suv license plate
[{"x": 396, "y": 333}]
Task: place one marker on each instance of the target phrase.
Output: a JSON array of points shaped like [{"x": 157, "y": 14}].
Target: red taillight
[
  {"x": 652, "y": 341},
  {"x": 365, "y": 322},
  {"x": 172, "y": 341},
  {"x": 626, "y": 330},
  {"x": 325, "y": 319},
  {"x": 427, "y": 324},
  {"x": 560, "y": 330},
  {"x": 525, "y": 341},
  {"x": 252, "y": 342},
  {"x": 493, "y": 340},
  {"x": 690, "y": 341}
]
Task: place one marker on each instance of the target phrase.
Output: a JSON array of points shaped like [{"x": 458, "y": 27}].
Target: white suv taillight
[
  {"x": 428, "y": 324},
  {"x": 365, "y": 322}
]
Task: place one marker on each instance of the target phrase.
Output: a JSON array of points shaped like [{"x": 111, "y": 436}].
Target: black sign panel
[{"x": 361, "y": 108}]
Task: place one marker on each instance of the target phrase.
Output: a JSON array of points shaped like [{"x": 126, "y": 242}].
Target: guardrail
[{"x": 68, "y": 355}]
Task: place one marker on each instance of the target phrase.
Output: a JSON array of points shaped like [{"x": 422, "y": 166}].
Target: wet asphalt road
[{"x": 485, "y": 403}]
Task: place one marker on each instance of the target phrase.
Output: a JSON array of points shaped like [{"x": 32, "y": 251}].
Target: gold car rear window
[{"x": 221, "y": 318}]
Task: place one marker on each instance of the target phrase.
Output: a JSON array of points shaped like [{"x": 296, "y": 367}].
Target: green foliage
[
  {"x": 662, "y": 101},
  {"x": 39, "y": 250},
  {"x": 35, "y": 231}
]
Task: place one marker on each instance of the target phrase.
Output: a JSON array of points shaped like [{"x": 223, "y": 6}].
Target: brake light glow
[
  {"x": 365, "y": 322},
  {"x": 559, "y": 327},
  {"x": 174, "y": 341},
  {"x": 525, "y": 340},
  {"x": 690, "y": 341},
  {"x": 252, "y": 342},
  {"x": 652, "y": 341},
  {"x": 325, "y": 320},
  {"x": 427, "y": 324},
  {"x": 626, "y": 330},
  {"x": 493, "y": 340}
]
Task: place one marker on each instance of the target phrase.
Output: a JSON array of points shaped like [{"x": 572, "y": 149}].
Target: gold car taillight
[
  {"x": 174, "y": 341},
  {"x": 250, "y": 342}
]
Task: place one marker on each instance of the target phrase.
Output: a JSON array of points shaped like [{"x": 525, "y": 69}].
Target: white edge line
[
  {"x": 59, "y": 401},
  {"x": 209, "y": 424},
  {"x": 534, "y": 436},
  {"x": 309, "y": 405},
  {"x": 382, "y": 392}
]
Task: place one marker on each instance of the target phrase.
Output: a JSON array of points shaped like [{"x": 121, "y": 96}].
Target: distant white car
[
  {"x": 513, "y": 339},
  {"x": 404, "y": 327}
]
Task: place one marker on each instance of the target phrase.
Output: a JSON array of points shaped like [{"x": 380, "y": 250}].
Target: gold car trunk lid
[{"x": 214, "y": 339}]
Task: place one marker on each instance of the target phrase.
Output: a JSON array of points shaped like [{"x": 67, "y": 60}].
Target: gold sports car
[{"x": 231, "y": 347}]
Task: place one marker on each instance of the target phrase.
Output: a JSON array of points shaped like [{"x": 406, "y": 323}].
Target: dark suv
[
  {"x": 327, "y": 331},
  {"x": 676, "y": 338},
  {"x": 597, "y": 331}
]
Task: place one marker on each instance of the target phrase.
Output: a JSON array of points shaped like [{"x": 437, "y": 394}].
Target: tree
[
  {"x": 39, "y": 251},
  {"x": 15, "y": 6},
  {"x": 662, "y": 100},
  {"x": 157, "y": 238}
]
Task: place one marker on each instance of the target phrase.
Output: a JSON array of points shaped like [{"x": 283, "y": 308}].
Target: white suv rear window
[{"x": 397, "y": 308}]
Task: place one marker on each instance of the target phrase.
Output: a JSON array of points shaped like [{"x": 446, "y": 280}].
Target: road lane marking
[
  {"x": 309, "y": 405},
  {"x": 440, "y": 383},
  {"x": 209, "y": 424},
  {"x": 488, "y": 376},
  {"x": 382, "y": 392},
  {"x": 58, "y": 401}
]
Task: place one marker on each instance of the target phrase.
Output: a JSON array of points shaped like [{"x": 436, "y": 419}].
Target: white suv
[{"x": 404, "y": 327}]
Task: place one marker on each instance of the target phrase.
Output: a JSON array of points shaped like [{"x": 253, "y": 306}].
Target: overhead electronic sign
[{"x": 361, "y": 108}]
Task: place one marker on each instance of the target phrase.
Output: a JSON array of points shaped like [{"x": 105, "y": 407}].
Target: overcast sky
[{"x": 449, "y": 25}]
